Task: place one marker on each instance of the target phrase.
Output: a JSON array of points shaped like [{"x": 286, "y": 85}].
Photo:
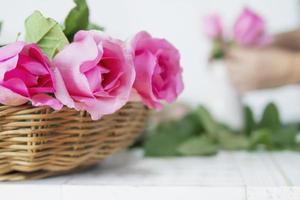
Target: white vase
[{"x": 221, "y": 98}]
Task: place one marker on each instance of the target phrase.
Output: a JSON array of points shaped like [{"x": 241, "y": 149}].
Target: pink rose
[
  {"x": 213, "y": 26},
  {"x": 250, "y": 28},
  {"x": 97, "y": 74},
  {"x": 158, "y": 71},
  {"x": 26, "y": 75}
]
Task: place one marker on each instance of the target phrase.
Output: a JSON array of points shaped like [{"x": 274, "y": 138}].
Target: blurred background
[{"x": 181, "y": 22}]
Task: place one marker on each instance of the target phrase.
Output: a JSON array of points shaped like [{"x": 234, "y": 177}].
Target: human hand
[
  {"x": 287, "y": 40},
  {"x": 252, "y": 69}
]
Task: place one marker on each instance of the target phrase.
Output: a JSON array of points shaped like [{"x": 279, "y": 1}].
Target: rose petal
[
  {"x": 97, "y": 108},
  {"x": 213, "y": 26},
  {"x": 61, "y": 92},
  {"x": 36, "y": 53},
  {"x": 28, "y": 79},
  {"x": 69, "y": 62},
  {"x": 96, "y": 35},
  {"x": 143, "y": 35},
  {"x": 158, "y": 70},
  {"x": 144, "y": 41},
  {"x": 99, "y": 86},
  {"x": 32, "y": 66},
  {"x": 249, "y": 28},
  {"x": 94, "y": 78},
  {"x": 8, "y": 65},
  {"x": 46, "y": 100},
  {"x": 16, "y": 85},
  {"x": 168, "y": 84},
  {"x": 10, "y": 98},
  {"x": 11, "y": 50},
  {"x": 143, "y": 82},
  {"x": 36, "y": 90}
]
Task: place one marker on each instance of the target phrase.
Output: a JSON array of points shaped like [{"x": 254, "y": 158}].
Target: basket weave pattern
[{"x": 37, "y": 142}]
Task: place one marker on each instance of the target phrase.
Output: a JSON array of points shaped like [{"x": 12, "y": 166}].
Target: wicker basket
[{"x": 39, "y": 142}]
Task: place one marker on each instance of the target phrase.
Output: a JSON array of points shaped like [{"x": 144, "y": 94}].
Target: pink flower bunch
[
  {"x": 249, "y": 29},
  {"x": 26, "y": 74},
  {"x": 94, "y": 73},
  {"x": 213, "y": 27}
]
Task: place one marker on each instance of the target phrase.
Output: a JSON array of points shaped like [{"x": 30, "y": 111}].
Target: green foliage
[
  {"x": 164, "y": 139},
  {"x": 198, "y": 146},
  {"x": 198, "y": 134},
  {"x": 52, "y": 37},
  {"x": 163, "y": 144},
  {"x": 46, "y": 33},
  {"x": 261, "y": 138},
  {"x": 217, "y": 50},
  {"x": 93, "y": 26},
  {"x": 209, "y": 124},
  {"x": 232, "y": 141},
  {"x": 270, "y": 118},
  {"x": 249, "y": 120},
  {"x": 285, "y": 138},
  {"x": 77, "y": 19}
]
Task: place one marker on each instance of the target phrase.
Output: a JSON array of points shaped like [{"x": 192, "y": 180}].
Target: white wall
[{"x": 177, "y": 20}]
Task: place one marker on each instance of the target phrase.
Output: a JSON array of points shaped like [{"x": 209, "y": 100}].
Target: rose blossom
[
  {"x": 26, "y": 75},
  {"x": 97, "y": 74},
  {"x": 158, "y": 71},
  {"x": 213, "y": 26},
  {"x": 250, "y": 28}
]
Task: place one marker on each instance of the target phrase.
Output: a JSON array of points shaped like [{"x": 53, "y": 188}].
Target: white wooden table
[{"x": 128, "y": 175}]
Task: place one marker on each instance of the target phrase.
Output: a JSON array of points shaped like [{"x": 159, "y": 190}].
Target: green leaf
[
  {"x": 261, "y": 137},
  {"x": 285, "y": 137},
  {"x": 46, "y": 32},
  {"x": 191, "y": 123},
  {"x": 198, "y": 146},
  {"x": 93, "y": 26},
  {"x": 296, "y": 147},
  {"x": 232, "y": 141},
  {"x": 164, "y": 139},
  {"x": 270, "y": 118},
  {"x": 217, "y": 50},
  {"x": 199, "y": 134},
  {"x": 250, "y": 123},
  {"x": 77, "y": 19},
  {"x": 162, "y": 144},
  {"x": 209, "y": 124}
]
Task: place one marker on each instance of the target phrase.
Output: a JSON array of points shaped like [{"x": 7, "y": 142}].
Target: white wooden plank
[
  {"x": 151, "y": 193},
  {"x": 30, "y": 192},
  {"x": 228, "y": 175},
  {"x": 288, "y": 164},
  {"x": 273, "y": 193},
  {"x": 126, "y": 169},
  {"x": 257, "y": 169}
]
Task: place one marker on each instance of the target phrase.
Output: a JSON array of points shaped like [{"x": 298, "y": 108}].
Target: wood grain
[{"x": 128, "y": 175}]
